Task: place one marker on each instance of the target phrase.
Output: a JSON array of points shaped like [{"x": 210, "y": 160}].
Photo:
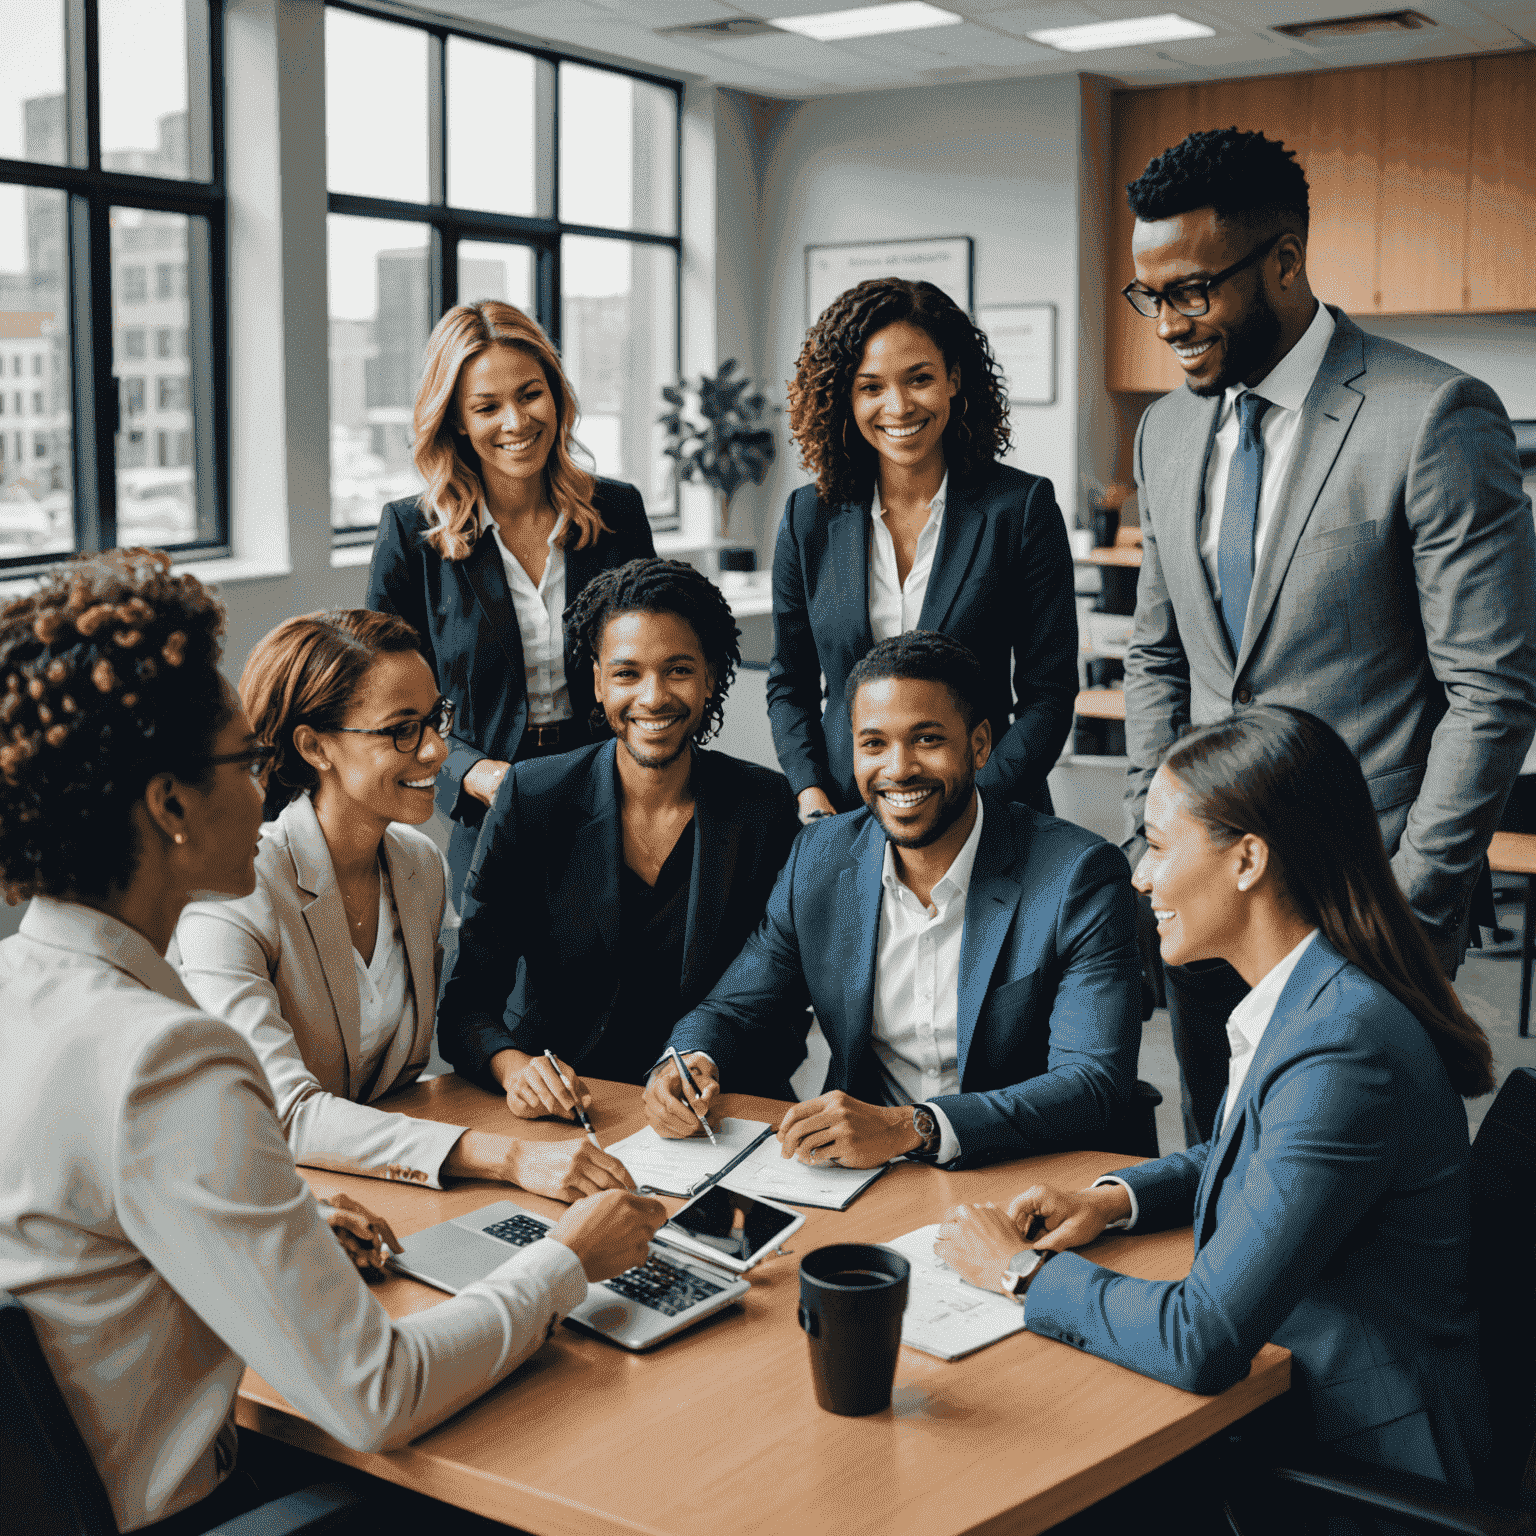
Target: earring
[{"x": 179, "y": 839}]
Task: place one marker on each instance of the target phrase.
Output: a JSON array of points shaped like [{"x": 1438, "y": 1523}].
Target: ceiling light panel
[
  {"x": 868, "y": 21},
  {"x": 1133, "y": 33}
]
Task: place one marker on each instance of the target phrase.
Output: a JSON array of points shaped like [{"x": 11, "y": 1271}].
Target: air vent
[
  {"x": 1345, "y": 29},
  {"x": 714, "y": 31}
]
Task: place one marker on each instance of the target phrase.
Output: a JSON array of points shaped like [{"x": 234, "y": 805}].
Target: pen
[
  {"x": 581, "y": 1114},
  {"x": 687, "y": 1076}
]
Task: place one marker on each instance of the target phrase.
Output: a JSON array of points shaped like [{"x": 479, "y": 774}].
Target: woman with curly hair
[
  {"x": 152, "y": 1222},
  {"x": 330, "y": 967},
  {"x": 900, "y": 413},
  {"x": 613, "y": 886},
  {"x": 483, "y": 562}
]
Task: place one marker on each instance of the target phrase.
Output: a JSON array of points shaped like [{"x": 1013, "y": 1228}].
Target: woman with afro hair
[{"x": 913, "y": 523}]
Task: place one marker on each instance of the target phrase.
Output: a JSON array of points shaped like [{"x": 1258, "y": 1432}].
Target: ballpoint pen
[
  {"x": 687, "y": 1076},
  {"x": 581, "y": 1114}
]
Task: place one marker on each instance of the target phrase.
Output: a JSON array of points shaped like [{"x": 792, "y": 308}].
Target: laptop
[{"x": 639, "y": 1309}]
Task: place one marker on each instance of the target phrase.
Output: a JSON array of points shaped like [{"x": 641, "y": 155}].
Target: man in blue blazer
[{"x": 971, "y": 962}]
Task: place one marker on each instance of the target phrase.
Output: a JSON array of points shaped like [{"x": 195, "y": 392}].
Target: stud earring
[{"x": 180, "y": 838}]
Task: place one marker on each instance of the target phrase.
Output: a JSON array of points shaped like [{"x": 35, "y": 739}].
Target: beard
[
  {"x": 1249, "y": 346},
  {"x": 951, "y": 808}
]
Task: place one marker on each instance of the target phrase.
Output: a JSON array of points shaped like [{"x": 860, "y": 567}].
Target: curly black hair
[
  {"x": 111, "y": 675},
  {"x": 930, "y": 657},
  {"x": 1245, "y": 177},
  {"x": 658, "y": 586},
  {"x": 821, "y": 392}
]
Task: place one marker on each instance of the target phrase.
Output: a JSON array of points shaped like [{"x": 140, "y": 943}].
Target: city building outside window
[
  {"x": 112, "y": 225},
  {"x": 422, "y": 219}
]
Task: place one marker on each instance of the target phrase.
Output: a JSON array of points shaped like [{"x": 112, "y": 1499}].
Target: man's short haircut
[
  {"x": 1245, "y": 177},
  {"x": 925, "y": 656}
]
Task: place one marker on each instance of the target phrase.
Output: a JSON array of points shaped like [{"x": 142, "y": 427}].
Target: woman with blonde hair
[{"x": 484, "y": 561}]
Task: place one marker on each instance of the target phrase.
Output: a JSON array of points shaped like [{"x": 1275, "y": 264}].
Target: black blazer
[
  {"x": 462, "y": 609},
  {"x": 542, "y": 905},
  {"x": 1001, "y": 584}
]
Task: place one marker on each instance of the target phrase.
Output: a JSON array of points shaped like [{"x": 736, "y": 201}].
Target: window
[
  {"x": 112, "y": 225},
  {"x": 442, "y": 154},
  {"x": 163, "y": 342},
  {"x": 171, "y": 394}
]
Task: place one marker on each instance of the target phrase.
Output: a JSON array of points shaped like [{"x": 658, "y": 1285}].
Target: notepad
[
  {"x": 769, "y": 1175},
  {"x": 945, "y": 1315},
  {"x": 688, "y": 1166}
]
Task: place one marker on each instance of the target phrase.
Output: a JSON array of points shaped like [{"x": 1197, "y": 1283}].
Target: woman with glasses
[
  {"x": 330, "y": 967},
  {"x": 901, "y": 415},
  {"x": 152, "y": 1223},
  {"x": 484, "y": 561}
]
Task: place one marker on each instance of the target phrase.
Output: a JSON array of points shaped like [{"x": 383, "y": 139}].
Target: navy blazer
[
  {"x": 542, "y": 906},
  {"x": 1001, "y": 584},
  {"x": 1332, "y": 1216},
  {"x": 462, "y": 609},
  {"x": 1050, "y": 982}
]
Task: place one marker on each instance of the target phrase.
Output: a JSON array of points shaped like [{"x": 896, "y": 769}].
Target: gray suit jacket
[
  {"x": 278, "y": 966},
  {"x": 1395, "y": 599}
]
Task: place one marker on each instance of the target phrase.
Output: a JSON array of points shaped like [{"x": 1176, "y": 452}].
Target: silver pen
[
  {"x": 687, "y": 1076},
  {"x": 581, "y": 1114}
]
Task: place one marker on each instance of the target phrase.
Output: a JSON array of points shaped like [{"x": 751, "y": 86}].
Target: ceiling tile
[
  {"x": 1244, "y": 48},
  {"x": 1020, "y": 19},
  {"x": 967, "y": 43}
]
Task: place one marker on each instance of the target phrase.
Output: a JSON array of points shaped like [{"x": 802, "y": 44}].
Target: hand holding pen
[
  {"x": 575, "y": 1100},
  {"x": 688, "y": 1088}
]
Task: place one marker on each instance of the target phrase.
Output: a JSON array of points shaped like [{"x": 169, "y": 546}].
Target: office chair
[
  {"x": 51, "y": 1486},
  {"x": 1502, "y": 1272}
]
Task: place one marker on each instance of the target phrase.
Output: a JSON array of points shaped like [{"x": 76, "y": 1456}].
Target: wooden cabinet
[{"x": 1423, "y": 187}]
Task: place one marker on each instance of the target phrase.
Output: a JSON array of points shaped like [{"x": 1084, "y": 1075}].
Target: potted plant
[{"x": 731, "y": 446}]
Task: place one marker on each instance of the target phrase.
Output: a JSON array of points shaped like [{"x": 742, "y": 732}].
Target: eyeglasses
[
  {"x": 407, "y": 735},
  {"x": 255, "y": 760},
  {"x": 1192, "y": 299}
]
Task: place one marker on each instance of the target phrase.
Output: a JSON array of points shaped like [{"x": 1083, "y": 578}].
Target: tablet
[{"x": 729, "y": 1228}]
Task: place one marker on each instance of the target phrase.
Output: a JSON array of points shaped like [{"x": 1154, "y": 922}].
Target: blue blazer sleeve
[
  {"x": 1095, "y": 1027},
  {"x": 794, "y": 674}
]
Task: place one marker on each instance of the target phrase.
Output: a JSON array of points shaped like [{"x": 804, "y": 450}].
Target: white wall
[{"x": 1498, "y": 349}]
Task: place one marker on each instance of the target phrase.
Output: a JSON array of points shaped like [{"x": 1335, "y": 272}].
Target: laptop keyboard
[
  {"x": 663, "y": 1287},
  {"x": 517, "y": 1230}
]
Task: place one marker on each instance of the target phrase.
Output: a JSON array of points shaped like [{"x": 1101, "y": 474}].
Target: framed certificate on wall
[
  {"x": 1023, "y": 338},
  {"x": 833, "y": 269}
]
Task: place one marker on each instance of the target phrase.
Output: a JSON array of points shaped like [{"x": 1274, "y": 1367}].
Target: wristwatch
[
  {"x": 1022, "y": 1269},
  {"x": 925, "y": 1124}
]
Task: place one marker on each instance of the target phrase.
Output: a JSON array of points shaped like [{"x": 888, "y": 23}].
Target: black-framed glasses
[
  {"x": 1192, "y": 299},
  {"x": 407, "y": 735},
  {"x": 255, "y": 760}
]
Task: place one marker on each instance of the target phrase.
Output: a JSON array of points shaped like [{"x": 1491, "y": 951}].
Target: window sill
[
  {"x": 222, "y": 570},
  {"x": 350, "y": 556}
]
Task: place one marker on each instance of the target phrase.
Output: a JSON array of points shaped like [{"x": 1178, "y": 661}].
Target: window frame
[
  {"x": 448, "y": 225},
  {"x": 91, "y": 193}
]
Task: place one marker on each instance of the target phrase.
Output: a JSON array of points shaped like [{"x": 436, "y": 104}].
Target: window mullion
[
  {"x": 93, "y": 388},
  {"x": 204, "y": 250}
]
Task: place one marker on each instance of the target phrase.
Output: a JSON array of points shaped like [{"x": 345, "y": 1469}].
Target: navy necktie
[{"x": 1239, "y": 513}]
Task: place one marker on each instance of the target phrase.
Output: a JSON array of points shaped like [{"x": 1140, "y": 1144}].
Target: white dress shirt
[
  {"x": 385, "y": 997},
  {"x": 154, "y": 1227},
  {"x": 1245, "y": 1028},
  {"x": 1285, "y": 387},
  {"x": 917, "y": 986},
  {"x": 894, "y": 605},
  {"x": 539, "y": 610}
]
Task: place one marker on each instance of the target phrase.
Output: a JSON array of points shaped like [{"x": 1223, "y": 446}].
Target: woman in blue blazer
[
  {"x": 1331, "y": 1208},
  {"x": 900, "y": 413},
  {"x": 483, "y": 562}
]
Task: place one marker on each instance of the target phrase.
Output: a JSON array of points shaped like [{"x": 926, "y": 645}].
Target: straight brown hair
[
  {"x": 307, "y": 672},
  {"x": 1284, "y": 776}
]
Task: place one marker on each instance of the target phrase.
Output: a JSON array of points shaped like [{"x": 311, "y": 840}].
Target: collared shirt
[
  {"x": 386, "y": 1000},
  {"x": 917, "y": 986},
  {"x": 894, "y": 605},
  {"x": 539, "y": 612},
  {"x": 1285, "y": 387}
]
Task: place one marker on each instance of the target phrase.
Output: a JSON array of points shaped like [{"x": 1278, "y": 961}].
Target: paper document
[
  {"x": 945, "y": 1316},
  {"x": 771, "y": 1176},
  {"x": 689, "y": 1166}
]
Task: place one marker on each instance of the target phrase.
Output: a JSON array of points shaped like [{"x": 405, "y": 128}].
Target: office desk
[{"x": 718, "y": 1430}]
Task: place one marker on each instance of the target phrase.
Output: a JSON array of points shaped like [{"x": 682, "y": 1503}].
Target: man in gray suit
[{"x": 1331, "y": 521}]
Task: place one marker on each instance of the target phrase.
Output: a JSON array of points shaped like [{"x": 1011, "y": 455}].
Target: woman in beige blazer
[
  {"x": 152, "y": 1223},
  {"x": 330, "y": 967}
]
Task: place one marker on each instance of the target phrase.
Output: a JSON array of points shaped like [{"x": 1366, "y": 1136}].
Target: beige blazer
[
  {"x": 278, "y": 966},
  {"x": 154, "y": 1227}
]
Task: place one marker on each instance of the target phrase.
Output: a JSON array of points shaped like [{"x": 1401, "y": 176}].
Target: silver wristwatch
[{"x": 1022, "y": 1268}]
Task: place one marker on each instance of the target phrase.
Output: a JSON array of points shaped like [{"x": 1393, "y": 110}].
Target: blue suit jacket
[
  {"x": 542, "y": 907},
  {"x": 1050, "y": 982},
  {"x": 462, "y": 609},
  {"x": 1001, "y": 583},
  {"x": 1331, "y": 1216}
]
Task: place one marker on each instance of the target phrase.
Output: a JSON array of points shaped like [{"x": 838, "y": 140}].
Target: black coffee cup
[
  {"x": 1106, "y": 525},
  {"x": 852, "y": 1296}
]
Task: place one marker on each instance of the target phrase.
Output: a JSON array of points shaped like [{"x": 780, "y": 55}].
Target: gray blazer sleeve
[{"x": 1474, "y": 556}]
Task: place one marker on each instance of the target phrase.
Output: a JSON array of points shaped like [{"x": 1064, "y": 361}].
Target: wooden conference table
[{"x": 718, "y": 1429}]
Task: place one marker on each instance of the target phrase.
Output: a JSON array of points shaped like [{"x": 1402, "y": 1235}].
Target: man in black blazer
[{"x": 613, "y": 885}]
